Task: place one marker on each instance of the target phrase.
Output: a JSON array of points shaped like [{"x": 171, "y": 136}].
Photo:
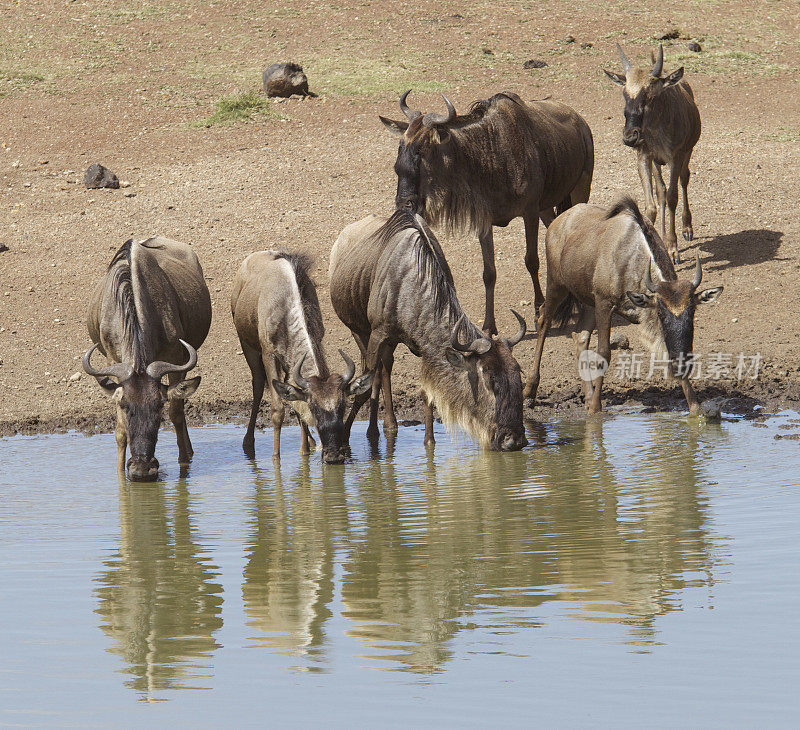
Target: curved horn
[
  {"x": 658, "y": 66},
  {"x": 297, "y": 377},
  {"x": 454, "y": 343},
  {"x": 119, "y": 370},
  {"x": 626, "y": 64},
  {"x": 158, "y": 368},
  {"x": 348, "y": 374},
  {"x": 410, "y": 114},
  {"x": 698, "y": 272},
  {"x": 523, "y": 328},
  {"x": 435, "y": 120},
  {"x": 648, "y": 281}
]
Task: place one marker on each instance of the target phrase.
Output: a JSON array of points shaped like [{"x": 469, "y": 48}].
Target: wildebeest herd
[{"x": 390, "y": 282}]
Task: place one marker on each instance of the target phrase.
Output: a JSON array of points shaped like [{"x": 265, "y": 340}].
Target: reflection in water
[
  {"x": 288, "y": 577},
  {"x": 157, "y": 598}
]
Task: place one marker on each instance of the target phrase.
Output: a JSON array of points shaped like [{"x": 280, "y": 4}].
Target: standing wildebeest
[
  {"x": 390, "y": 283},
  {"x": 605, "y": 260},
  {"x": 149, "y": 310},
  {"x": 502, "y": 160},
  {"x": 279, "y": 323},
  {"x": 662, "y": 124}
]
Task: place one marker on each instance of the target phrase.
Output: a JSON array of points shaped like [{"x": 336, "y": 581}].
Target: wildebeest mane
[
  {"x": 475, "y": 166},
  {"x": 627, "y": 205},
  {"x": 301, "y": 265},
  {"x": 432, "y": 265},
  {"x": 122, "y": 291}
]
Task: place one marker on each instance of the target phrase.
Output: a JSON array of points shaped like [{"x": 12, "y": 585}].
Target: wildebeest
[
  {"x": 149, "y": 313},
  {"x": 391, "y": 284},
  {"x": 502, "y": 160},
  {"x": 613, "y": 261},
  {"x": 285, "y": 79},
  {"x": 277, "y": 317},
  {"x": 662, "y": 124}
]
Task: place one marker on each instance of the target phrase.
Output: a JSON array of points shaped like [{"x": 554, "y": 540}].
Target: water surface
[{"x": 628, "y": 570}]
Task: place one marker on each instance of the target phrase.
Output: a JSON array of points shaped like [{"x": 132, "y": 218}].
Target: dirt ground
[{"x": 126, "y": 83}]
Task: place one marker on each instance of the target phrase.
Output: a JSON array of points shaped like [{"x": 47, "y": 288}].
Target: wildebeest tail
[{"x": 565, "y": 310}]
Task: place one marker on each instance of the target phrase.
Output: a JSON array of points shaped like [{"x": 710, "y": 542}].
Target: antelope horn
[
  {"x": 410, "y": 114},
  {"x": 119, "y": 370},
  {"x": 435, "y": 120},
  {"x": 648, "y": 281},
  {"x": 658, "y": 66},
  {"x": 297, "y": 377},
  {"x": 523, "y": 328},
  {"x": 626, "y": 64},
  {"x": 454, "y": 343},
  {"x": 158, "y": 368},
  {"x": 348, "y": 374},
  {"x": 698, "y": 272}
]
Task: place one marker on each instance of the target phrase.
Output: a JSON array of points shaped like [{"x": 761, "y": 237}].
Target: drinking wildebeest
[
  {"x": 662, "y": 124},
  {"x": 150, "y": 310},
  {"x": 279, "y": 323},
  {"x": 613, "y": 261},
  {"x": 390, "y": 284},
  {"x": 502, "y": 160}
]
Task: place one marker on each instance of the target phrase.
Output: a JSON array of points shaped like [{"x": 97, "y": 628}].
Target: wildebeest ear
[
  {"x": 708, "y": 295},
  {"x": 615, "y": 77},
  {"x": 288, "y": 392},
  {"x": 457, "y": 359},
  {"x": 184, "y": 389},
  {"x": 673, "y": 78},
  {"x": 641, "y": 299},
  {"x": 360, "y": 385},
  {"x": 440, "y": 135},
  {"x": 393, "y": 126}
]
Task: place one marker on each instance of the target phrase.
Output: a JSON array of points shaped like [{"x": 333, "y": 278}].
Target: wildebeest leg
[
  {"x": 358, "y": 400},
  {"x": 646, "y": 176},
  {"x": 555, "y": 295},
  {"x": 489, "y": 279},
  {"x": 532, "y": 255},
  {"x": 389, "y": 419},
  {"x": 691, "y": 398},
  {"x": 670, "y": 237},
  {"x": 259, "y": 377},
  {"x": 178, "y": 418},
  {"x": 373, "y": 361},
  {"x": 661, "y": 191},
  {"x": 581, "y": 337},
  {"x": 428, "y": 407},
  {"x": 307, "y": 443},
  {"x": 121, "y": 437},
  {"x": 372, "y": 429},
  {"x": 602, "y": 312},
  {"x": 688, "y": 231},
  {"x": 276, "y": 407}
]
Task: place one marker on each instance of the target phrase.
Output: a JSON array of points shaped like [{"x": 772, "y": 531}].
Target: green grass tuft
[{"x": 239, "y": 108}]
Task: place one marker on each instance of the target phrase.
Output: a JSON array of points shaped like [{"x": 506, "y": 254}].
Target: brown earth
[{"x": 124, "y": 84}]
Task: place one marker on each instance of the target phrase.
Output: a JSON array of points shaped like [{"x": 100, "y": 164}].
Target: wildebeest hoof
[{"x": 688, "y": 233}]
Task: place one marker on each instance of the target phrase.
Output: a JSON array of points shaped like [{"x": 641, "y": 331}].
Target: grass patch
[
  {"x": 783, "y": 134},
  {"x": 14, "y": 80},
  {"x": 238, "y": 108},
  {"x": 719, "y": 61},
  {"x": 369, "y": 77}
]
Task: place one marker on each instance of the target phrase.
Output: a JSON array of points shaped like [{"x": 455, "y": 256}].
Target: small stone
[
  {"x": 30, "y": 288},
  {"x": 130, "y": 195},
  {"x": 26, "y": 185},
  {"x": 97, "y": 176},
  {"x": 670, "y": 35},
  {"x": 487, "y": 51},
  {"x": 285, "y": 80},
  {"x": 569, "y": 39},
  {"x": 125, "y": 184},
  {"x": 534, "y": 63},
  {"x": 695, "y": 46},
  {"x": 74, "y": 377},
  {"x": 16, "y": 164},
  {"x": 587, "y": 45},
  {"x": 735, "y": 319},
  {"x": 3, "y": 248}
]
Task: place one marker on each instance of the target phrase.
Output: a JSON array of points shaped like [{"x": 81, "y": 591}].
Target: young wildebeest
[
  {"x": 279, "y": 323},
  {"x": 150, "y": 309},
  {"x": 390, "y": 283},
  {"x": 662, "y": 124},
  {"x": 612, "y": 261},
  {"x": 502, "y": 160}
]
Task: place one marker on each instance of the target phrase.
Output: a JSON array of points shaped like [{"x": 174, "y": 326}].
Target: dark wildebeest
[
  {"x": 502, "y": 160},
  {"x": 150, "y": 310},
  {"x": 613, "y": 261},
  {"x": 662, "y": 124},
  {"x": 390, "y": 284},
  {"x": 279, "y": 323}
]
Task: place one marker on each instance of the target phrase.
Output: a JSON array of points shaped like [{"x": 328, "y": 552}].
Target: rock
[
  {"x": 74, "y": 377},
  {"x": 124, "y": 184},
  {"x": 670, "y": 35},
  {"x": 569, "y": 39},
  {"x": 534, "y": 63},
  {"x": 97, "y": 176},
  {"x": 487, "y": 52},
  {"x": 695, "y": 46},
  {"x": 285, "y": 80},
  {"x": 587, "y": 45},
  {"x": 3, "y": 248}
]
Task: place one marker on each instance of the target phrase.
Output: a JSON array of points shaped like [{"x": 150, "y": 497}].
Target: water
[{"x": 623, "y": 570}]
